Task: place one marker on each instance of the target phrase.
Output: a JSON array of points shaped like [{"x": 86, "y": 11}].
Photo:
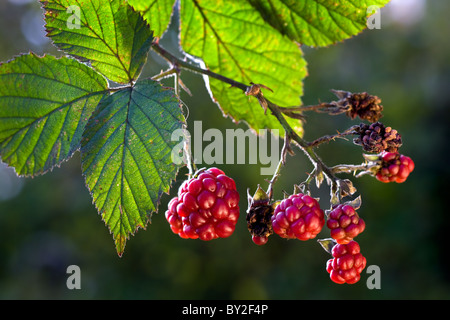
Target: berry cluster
[
  {"x": 394, "y": 167},
  {"x": 207, "y": 206},
  {"x": 299, "y": 216},
  {"x": 345, "y": 224},
  {"x": 388, "y": 165}
]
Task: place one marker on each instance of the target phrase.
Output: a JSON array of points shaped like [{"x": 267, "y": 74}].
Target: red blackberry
[
  {"x": 298, "y": 217},
  {"x": 347, "y": 263},
  {"x": 394, "y": 167},
  {"x": 207, "y": 206},
  {"x": 344, "y": 223}
]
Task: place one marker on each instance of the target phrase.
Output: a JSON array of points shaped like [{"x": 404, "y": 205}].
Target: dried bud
[
  {"x": 366, "y": 106},
  {"x": 377, "y": 138},
  {"x": 259, "y": 213}
]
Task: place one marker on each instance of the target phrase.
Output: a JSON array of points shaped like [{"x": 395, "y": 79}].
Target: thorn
[{"x": 183, "y": 86}]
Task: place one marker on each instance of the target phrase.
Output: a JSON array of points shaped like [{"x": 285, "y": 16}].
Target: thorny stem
[
  {"x": 188, "y": 66},
  {"x": 310, "y": 177},
  {"x": 349, "y": 168},
  {"x": 302, "y": 144},
  {"x": 318, "y": 107},
  {"x": 164, "y": 74},
  {"x": 349, "y": 131},
  {"x": 265, "y": 104},
  {"x": 308, "y": 180}
]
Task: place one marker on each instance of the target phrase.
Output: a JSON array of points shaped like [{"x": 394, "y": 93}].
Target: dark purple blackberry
[{"x": 376, "y": 138}]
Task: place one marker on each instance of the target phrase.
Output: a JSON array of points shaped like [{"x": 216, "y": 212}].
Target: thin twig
[
  {"x": 328, "y": 138},
  {"x": 281, "y": 163},
  {"x": 317, "y": 108},
  {"x": 165, "y": 74},
  {"x": 349, "y": 168},
  {"x": 188, "y": 66}
]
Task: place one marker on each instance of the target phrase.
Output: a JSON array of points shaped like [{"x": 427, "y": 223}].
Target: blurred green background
[{"x": 48, "y": 223}]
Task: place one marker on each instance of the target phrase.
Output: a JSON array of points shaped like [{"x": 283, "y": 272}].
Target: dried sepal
[
  {"x": 319, "y": 178},
  {"x": 346, "y": 187},
  {"x": 355, "y": 203},
  {"x": 327, "y": 244}
]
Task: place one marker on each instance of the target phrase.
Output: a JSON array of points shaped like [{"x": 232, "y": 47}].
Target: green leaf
[
  {"x": 157, "y": 13},
  {"x": 107, "y": 33},
  {"x": 233, "y": 40},
  {"x": 317, "y": 22},
  {"x": 126, "y": 155},
  {"x": 45, "y": 103}
]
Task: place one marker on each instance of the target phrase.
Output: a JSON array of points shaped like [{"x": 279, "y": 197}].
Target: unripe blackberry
[
  {"x": 298, "y": 217},
  {"x": 377, "y": 138},
  {"x": 259, "y": 214},
  {"x": 394, "y": 167},
  {"x": 207, "y": 206},
  {"x": 344, "y": 223},
  {"x": 347, "y": 263}
]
